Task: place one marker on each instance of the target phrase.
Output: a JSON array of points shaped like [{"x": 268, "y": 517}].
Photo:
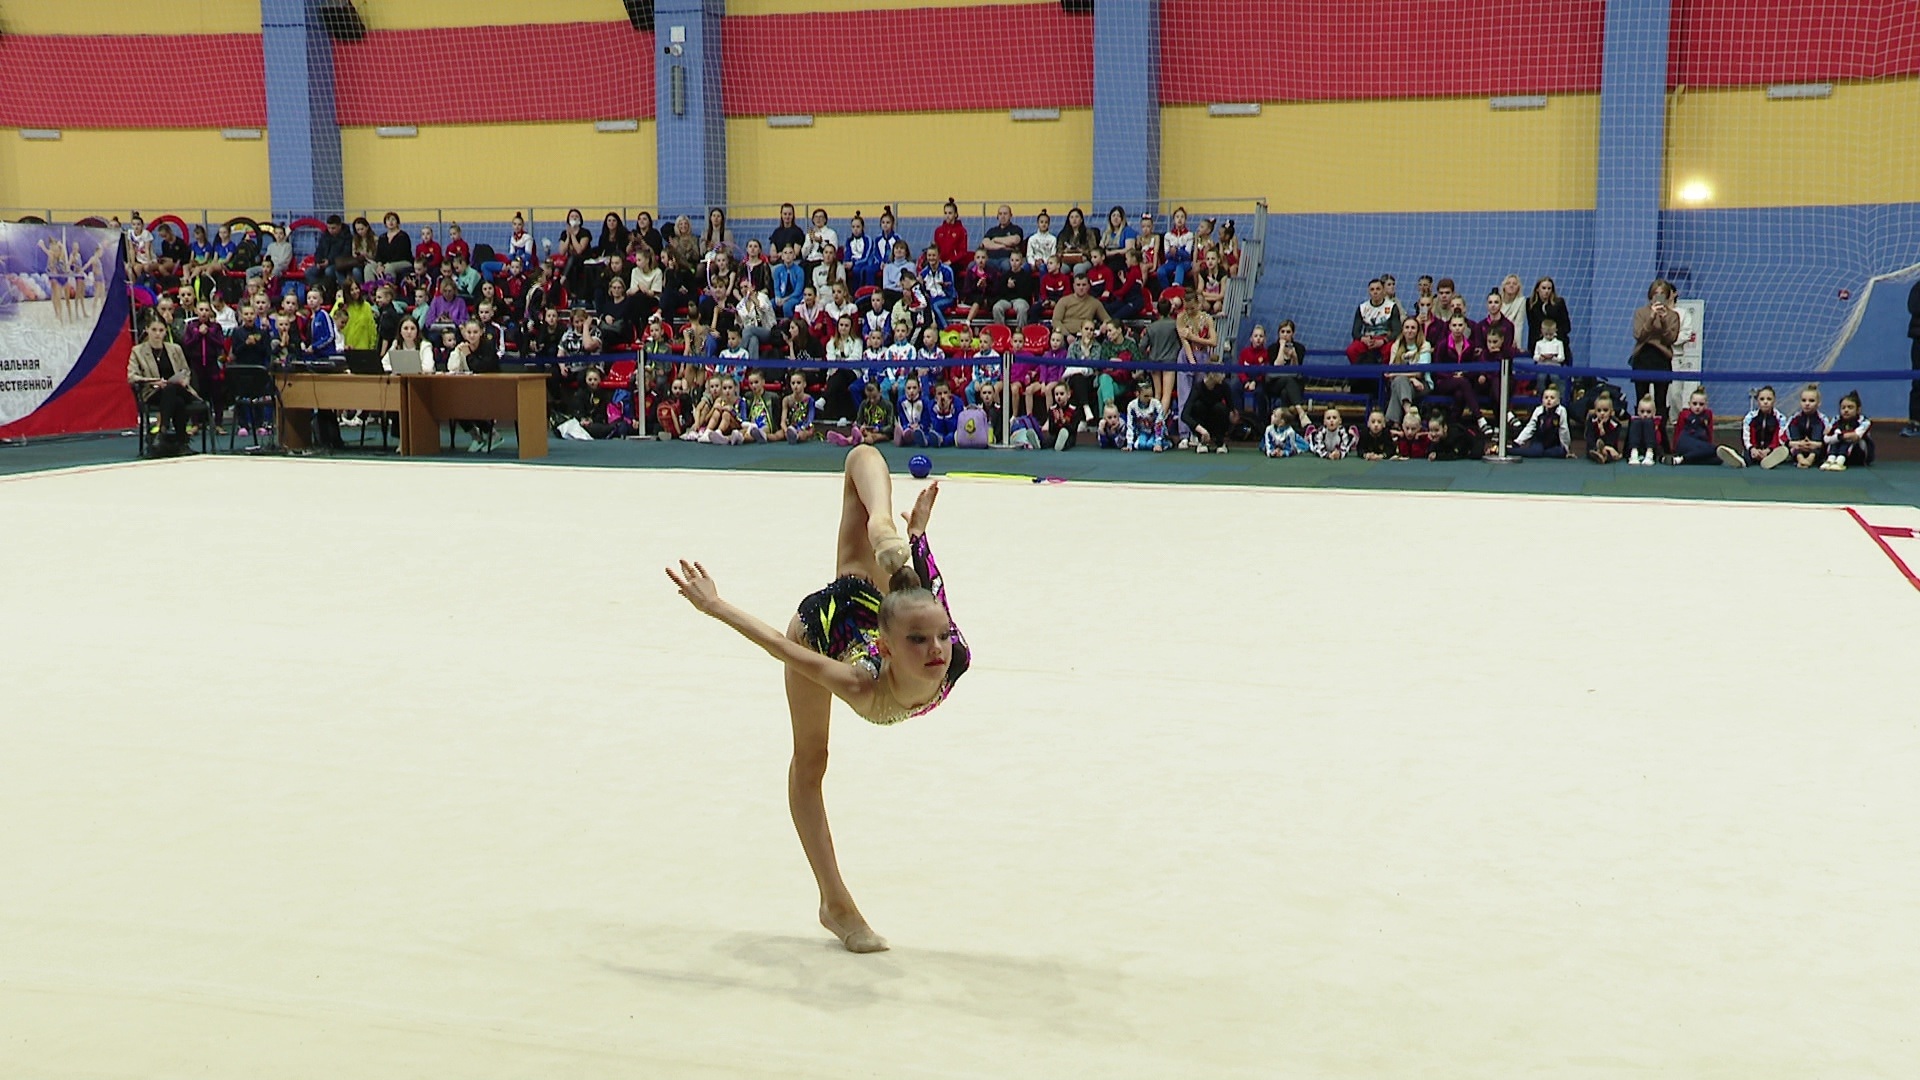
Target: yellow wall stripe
[
  {"x": 435, "y": 14},
  {"x": 867, "y": 159},
  {"x": 1862, "y": 145},
  {"x": 1449, "y": 154},
  {"x": 500, "y": 166},
  {"x": 112, "y": 172},
  {"x": 86, "y": 17}
]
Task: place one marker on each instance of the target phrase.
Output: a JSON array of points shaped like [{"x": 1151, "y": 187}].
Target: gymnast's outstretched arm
[{"x": 703, "y": 593}]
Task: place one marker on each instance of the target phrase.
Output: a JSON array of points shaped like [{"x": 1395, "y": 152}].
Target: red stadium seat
[
  {"x": 1001, "y": 336},
  {"x": 1035, "y": 338},
  {"x": 619, "y": 375}
]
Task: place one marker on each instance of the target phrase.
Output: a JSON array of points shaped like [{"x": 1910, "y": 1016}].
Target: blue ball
[{"x": 919, "y": 465}]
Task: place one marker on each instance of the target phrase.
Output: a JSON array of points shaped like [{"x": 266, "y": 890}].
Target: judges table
[
  {"x": 432, "y": 400},
  {"x": 301, "y": 392},
  {"x": 424, "y": 403}
]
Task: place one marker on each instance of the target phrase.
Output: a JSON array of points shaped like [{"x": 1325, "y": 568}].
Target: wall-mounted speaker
[
  {"x": 640, "y": 14},
  {"x": 341, "y": 20},
  {"x": 1077, "y": 7}
]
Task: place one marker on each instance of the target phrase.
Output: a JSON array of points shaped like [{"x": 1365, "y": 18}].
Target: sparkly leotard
[{"x": 843, "y": 621}]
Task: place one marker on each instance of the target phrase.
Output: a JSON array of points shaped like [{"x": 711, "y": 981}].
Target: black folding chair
[
  {"x": 196, "y": 409},
  {"x": 250, "y": 386}
]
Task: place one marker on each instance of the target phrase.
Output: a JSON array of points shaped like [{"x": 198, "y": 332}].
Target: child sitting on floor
[
  {"x": 796, "y": 411},
  {"x": 1605, "y": 434},
  {"x": 1280, "y": 439},
  {"x": 1693, "y": 434},
  {"x": 1546, "y": 434},
  {"x": 1807, "y": 431},
  {"x": 1113, "y": 429},
  {"x": 1848, "y": 441},
  {"x": 1376, "y": 442},
  {"x": 1412, "y": 443},
  {"x": 1331, "y": 438},
  {"x": 1763, "y": 432},
  {"x": 1146, "y": 421},
  {"x": 1643, "y": 434},
  {"x": 873, "y": 422}
]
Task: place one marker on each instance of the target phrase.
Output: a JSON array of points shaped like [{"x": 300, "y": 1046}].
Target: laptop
[
  {"x": 404, "y": 361},
  {"x": 363, "y": 364}
]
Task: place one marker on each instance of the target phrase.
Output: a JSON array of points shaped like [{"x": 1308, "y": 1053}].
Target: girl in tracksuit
[
  {"x": 1763, "y": 432},
  {"x": 1848, "y": 441},
  {"x": 1807, "y": 431},
  {"x": 1693, "y": 433},
  {"x": 1546, "y": 434}
]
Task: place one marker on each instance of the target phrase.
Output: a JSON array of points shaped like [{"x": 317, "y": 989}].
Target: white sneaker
[
  {"x": 1185, "y": 444},
  {"x": 1775, "y": 456},
  {"x": 1730, "y": 457},
  {"x": 1200, "y": 447},
  {"x": 1633, "y": 457},
  {"x": 1220, "y": 450}
]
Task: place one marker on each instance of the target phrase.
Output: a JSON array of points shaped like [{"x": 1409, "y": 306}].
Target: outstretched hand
[
  {"x": 922, "y": 510},
  {"x": 696, "y": 585}
]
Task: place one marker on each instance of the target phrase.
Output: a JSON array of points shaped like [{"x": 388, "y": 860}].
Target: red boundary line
[{"x": 1879, "y": 533}]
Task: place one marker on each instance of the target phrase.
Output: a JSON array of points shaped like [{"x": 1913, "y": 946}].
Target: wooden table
[
  {"x": 301, "y": 392},
  {"x": 431, "y": 400}
]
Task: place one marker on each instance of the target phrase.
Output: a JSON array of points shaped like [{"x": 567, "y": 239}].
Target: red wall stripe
[
  {"x": 494, "y": 74},
  {"x": 1735, "y": 43},
  {"x": 1311, "y": 50},
  {"x": 923, "y": 59},
  {"x": 184, "y": 81}
]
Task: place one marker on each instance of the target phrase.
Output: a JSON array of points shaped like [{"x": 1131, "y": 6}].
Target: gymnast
[{"x": 879, "y": 638}]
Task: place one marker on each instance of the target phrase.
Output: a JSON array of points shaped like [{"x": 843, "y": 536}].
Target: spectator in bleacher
[
  {"x": 170, "y": 255},
  {"x": 1375, "y": 325},
  {"x": 789, "y": 280},
  {"x": 205, "y": 347},
  {"x": 364, "y": 247},
  {"x": 798, "y": 341},
  {"x": 1513, "y": 305},
  {"x": 861, "y": 255},
  {"x": 457, "y": 243},
  {"x": 975, "y": 286},
  {"x": 841, "y": 303},
  {"x": 466, "y": 280},
  {"x": 1113, "y": 239},
  {"x": 1042, "y": 244},
  {"x": 899, "y": 262},
  {"x": 1551, "y": 350},
  {"x": 936, "y": 281},
  {"x": 1002, "y": 239},
  {"x": 1496, "y": 320},
  {"x": 1459, "y": 346},
  {"x": 617, "y": 316},
  {"x": 754, "y": 315},
  {"x": 1054, "y": 286},
  {"x": 1129, "y": 293},
  {"x": 1078, "y": 244},
  {"x": 520, "y": 243},
  {"x": 576, "y": 247},
  {"x": 275, "y": 257},
  {"x": 448, "y": 308},
  {"x": 1546, "y": 303},
  {"x": 333, "y": 256},
  {"x": 813, "y": 313},
  {"x": 199, "y": 257},
  {"x": 392, "y": 254},
  {"x": 1442, "y": 307},
  {"x": 829, "y": 271},
  {"x": 139, "y": 246},
  {"x": 645, "y": 281},
  {"x": 1230, "y": 253},
  {"x": 1410, "y": 349},
  {"x": 1210, "y": 282},
  {"x": 1014, "y": 291},
  {"x": 717, "y": 237},
  {"x": 683, "y": 243},
  {"x": 251, "y": 342},
  {"x": 754, "y": 265},
  {"x": 1656, "y": 326},
  {"x": 1079, "y": 309},
  {"x": 787, "y": 232},
  {"x": 1431, "y": 325},
  {"x": 157, "y": 370},
  {"x": 358, "y": 327},
  {"x": 679, "y": 285},
  {"x": 716, "y": 300},
  {"x": 1177, "y": 249},
  {"x": 950, "y": 236},
  {"x": 645, "y": 234},
  {"x": 614, "y": 237},
  {"x": 883, "y": 240},
  {"x": 542, "y": 334},
  {"x": 429, "y": 250},
  {"x": 1286, "y": 351},
  {"x": 820, "y": 237},
  {"x": 846, "y": 343},
  {"x": 582, "y": 335}
]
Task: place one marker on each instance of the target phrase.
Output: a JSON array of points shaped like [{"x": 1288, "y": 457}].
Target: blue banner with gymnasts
[{"x": 63, "y": 331}]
